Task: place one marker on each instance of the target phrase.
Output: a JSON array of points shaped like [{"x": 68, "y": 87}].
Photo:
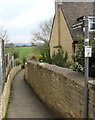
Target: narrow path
[{"x": 24, "y": 104}]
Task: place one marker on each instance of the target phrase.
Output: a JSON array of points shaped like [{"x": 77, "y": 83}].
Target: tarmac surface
[{"x": 24, "y": 103}]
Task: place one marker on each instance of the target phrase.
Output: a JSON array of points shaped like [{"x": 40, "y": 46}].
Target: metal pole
[{"x": 86, "y": 70}]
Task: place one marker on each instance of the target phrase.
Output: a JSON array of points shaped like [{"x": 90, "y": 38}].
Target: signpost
[
  {"x": 86, "y": 30},
  {"x": 89, "y": 26}
]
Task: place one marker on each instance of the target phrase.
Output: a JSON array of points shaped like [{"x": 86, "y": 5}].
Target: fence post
[
  {"x": 2, "y": 66},
  {"x": 13, "y": 62}
]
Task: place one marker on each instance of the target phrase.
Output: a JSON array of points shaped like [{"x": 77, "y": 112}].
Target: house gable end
[{"x": 54, "y": 38}]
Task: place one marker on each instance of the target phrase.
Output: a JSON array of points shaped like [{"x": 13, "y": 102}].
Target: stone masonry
[{"x": 61, "y": 89}]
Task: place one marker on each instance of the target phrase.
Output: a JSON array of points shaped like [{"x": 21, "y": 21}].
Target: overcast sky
[{"x": 20, "y": 17}]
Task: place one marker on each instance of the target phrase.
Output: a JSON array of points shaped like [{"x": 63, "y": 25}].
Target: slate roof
[{"x": 74, "y": 10}]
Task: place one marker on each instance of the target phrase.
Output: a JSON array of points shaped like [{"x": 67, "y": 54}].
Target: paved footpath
[{"x": 24, "y": 104}]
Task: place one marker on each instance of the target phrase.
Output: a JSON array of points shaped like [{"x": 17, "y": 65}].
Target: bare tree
[
  {"x": 44, "y": 32},
  {"x": 4, "y": 35}
]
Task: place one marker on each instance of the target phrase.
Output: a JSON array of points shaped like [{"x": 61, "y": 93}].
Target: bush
[
  {"x": 14, "y": 51},
  {"x": 78, "y": 57},
  {"x": 16, "y": 54},
  {"x": 45, "y": 55},
  {"x": 24, "y": 60},
  {"x": 18, "y": 61},
  {"x": 61, "y": 59},
  {"x": 33, "y": 58}
]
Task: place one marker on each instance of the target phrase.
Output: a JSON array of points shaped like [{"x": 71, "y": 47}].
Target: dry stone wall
[{"x": 60, "y": 89}]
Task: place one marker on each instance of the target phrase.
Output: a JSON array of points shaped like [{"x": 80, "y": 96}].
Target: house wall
[
  {"x": 61, "y": 35},
  {"x": 55, "y": 35},
  {"x": 65, "y": 36}
]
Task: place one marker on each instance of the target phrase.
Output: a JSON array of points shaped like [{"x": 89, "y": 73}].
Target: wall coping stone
[{"x": 68, "y": 73}]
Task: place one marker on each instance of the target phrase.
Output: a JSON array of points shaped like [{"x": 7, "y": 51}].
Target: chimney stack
[{"x": 57, "y": 2}]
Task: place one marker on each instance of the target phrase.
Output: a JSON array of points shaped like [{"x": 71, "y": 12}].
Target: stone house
[{"x": 66, "y": 14}]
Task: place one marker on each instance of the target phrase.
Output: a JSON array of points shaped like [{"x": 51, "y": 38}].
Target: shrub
[
  {"x": 14, "y": 51},
  {"x": 16, "y": 54},
  {"x": 45, "y": 55},
  {"x": 24, "y": 59},
  {"x": 61, "y": 59},
  {"x": 78, "y": 57},
  {"x": 33, "y": 58},
  {"x": 18, "y": 61}
]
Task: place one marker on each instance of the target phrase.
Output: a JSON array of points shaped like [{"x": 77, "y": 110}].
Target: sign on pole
[{"x": 88, "y": 51}]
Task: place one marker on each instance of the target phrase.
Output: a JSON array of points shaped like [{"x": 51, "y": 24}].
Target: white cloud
[
  {"x": 34, "y": 16},
  {"x": 24, "y": 19},
  {"x": 74, "y": 0},
  {"x": 23, "y": 38},
  {"x": 21, "y": 17},
  {"x": 1, "y": 22}
]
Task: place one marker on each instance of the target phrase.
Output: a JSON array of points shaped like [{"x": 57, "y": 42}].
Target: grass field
[{"x": 28, "y": 51}]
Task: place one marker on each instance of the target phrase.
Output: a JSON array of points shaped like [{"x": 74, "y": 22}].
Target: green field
[{"x": 28, "y": 51}]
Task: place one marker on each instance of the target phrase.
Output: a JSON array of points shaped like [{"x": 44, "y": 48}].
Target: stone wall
[
  {"x": 6, "y": 91},
  {"x": 60, "y": 89},
  {"x": 8, "y": 68}
]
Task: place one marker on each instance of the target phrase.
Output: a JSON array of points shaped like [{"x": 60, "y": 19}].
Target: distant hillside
[{"x": 23, "y": 44}]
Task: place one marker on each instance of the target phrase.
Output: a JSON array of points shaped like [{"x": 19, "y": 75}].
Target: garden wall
[
  {"x": 60, "y": 89},
  {"x": 6, "y": 91}
]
